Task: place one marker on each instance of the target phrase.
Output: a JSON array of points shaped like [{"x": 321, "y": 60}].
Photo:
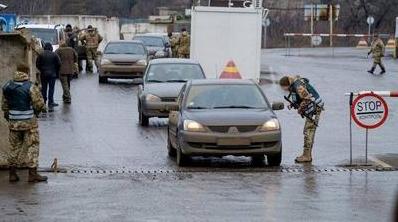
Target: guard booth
[
  {"x": 220, "y": 35},
  {"x": 15, "y": 48}
]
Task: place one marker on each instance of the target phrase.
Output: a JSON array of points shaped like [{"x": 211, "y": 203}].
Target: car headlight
[
  {"x": 193, "y": 126},
  {"x": 142, "y": 62},
  {"x": 270, "y": 125},
  {"x": 105, "y": 62},
  {"x": 160, "y": 54},
  {"x": 152, "y": 98}
]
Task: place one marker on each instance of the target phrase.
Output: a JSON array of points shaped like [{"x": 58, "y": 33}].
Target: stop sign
[{"x": 369, "y": 111}]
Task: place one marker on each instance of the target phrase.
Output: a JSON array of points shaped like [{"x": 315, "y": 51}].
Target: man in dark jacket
[
  {"x": 48, "y": 63},
  {"x": 68, "y": 58}
]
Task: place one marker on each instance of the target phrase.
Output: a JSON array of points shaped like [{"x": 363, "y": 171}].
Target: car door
[{"x": 174, "y": 117}]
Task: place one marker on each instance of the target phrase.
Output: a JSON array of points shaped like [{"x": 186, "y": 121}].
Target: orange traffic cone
[
  {"x": 391, "y": 43},
  {"x": 230, "y": 71},
  {"x": 362, "y": 44}
]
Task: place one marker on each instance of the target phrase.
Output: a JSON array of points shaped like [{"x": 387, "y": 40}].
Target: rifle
[{"x": 296, "y": 106}]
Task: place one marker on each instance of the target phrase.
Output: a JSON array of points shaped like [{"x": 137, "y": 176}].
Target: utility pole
[{"x": 331, "y": 24}]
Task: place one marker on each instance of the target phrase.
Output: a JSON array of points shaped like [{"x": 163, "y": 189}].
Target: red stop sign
[{"x": 369, "y": 111}]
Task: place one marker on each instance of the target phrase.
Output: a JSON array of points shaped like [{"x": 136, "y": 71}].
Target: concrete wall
[
  {"x": 108, "y": 27},
  {"x": 14, "y": 49}
]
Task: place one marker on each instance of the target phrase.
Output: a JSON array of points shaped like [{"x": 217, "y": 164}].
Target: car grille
[
  {"x": 124, "y": 63},
  {"x": 169, "y": 99},
  {"x": 225, "y": 129},
  {"x": 232, "y": 147}
]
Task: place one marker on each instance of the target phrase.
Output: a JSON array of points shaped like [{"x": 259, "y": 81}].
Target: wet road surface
[{"x": 118, "y": 170}]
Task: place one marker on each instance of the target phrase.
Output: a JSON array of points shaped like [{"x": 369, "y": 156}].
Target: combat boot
[
  {"x": 383, "y": 70},
  {"x": 305, "y": 158},
  {"x": 371, "y": 71},
  {"x": 13, "y": 175},
  {"x": 34, "y": 177}
]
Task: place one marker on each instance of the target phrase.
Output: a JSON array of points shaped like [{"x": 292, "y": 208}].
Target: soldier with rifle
[{"x": 309, "y": 104}]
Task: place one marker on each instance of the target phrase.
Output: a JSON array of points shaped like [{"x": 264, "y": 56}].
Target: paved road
[{"x": 100, "y": 131}]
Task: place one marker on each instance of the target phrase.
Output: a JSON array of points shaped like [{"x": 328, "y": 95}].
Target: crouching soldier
[
  {"x": 21, "y": 103},
  {"x": 304, "y": 98}
]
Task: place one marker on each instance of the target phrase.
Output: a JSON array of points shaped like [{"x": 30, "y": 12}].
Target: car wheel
[
  {"x": 258, "y": 160},
  {"x": 102, "y": 79},
  {"x": 170, "y": 149},
  {"x": 275, "y": 159},
  {"x": 144, "y": 120},
  {"x": 182, "y": 159}
]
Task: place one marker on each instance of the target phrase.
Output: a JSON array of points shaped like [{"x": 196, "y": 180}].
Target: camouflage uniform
[
  {"x": 174, "y": 46},
  {"x": 377, "y": 49},
  {"x": 91, "y": 39},
  {"x": 184, "y": 45},
  {"x": 24, "y": 134},
  {"x": 309, "y": 103}
]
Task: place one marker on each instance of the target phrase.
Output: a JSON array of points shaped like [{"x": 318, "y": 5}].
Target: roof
[
  {"x": 124, "y": 41},
  {"x": 39, "y": 26},
  {"x": 222, "y": 82},
  {"x": 172, "y": 61},
  {"x": 152, "y": 34}
]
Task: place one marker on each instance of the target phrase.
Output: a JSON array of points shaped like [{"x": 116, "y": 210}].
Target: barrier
[
  {"x": 391, "y": 44},
  {"x": 362, "y": 44}
]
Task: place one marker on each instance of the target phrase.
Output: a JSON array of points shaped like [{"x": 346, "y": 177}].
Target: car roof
[
  {"x": 124, "y": 41},
  {"x": 39, "y": 26},
  {"x": 172, "y": 61},
  {"x": 222, "y": 82},
  {"x": 152, "y": 34}
]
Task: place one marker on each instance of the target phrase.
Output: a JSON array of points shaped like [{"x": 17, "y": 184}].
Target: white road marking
[{"x": 379, "y": 162}]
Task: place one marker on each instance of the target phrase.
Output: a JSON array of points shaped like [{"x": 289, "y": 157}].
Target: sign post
[
  {"x": 370, "y": 20},
  {"x": 368, "y": 111}
]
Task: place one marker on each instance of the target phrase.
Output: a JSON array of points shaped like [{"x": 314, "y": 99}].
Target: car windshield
[
  {"x": 125, "y": 48},
  {"x": 225, "y": 97},
  {"x": 150, "y": 41},
  {"x": 173, "y": 72},
  {"x": 47, "y": 35}
]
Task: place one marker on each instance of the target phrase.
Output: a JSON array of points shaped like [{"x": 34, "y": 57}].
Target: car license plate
[{"x": 233, "y": 142}]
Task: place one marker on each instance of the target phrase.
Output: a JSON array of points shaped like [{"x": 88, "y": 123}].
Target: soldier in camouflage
[
  {"x": 184, "y": 44},
  {"x": 309, "y": 104},
  {"x": 21, "y": 103},
  {"x": 174, "y": 44},
  {"x": 377, "y": 49},
  {"x": 91, "y": 39}
]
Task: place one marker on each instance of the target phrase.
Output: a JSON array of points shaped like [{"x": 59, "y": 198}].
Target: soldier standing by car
[
  {"x": 173, "y": 44},
  {"x": 184, "y": 44},
  {"x": 91, "y": 39},
  {"x": 21, "y": 103},
  {"x": 377, "y": 49},
  {"x": 68, "y": 58},
  {"x": 309, "y": 104}
]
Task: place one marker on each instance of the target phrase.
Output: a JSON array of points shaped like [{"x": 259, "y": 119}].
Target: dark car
[
  {"x": 224, "y": 117},
  {"x": 123, "y": 60},
  {"x": 158, "y": 44},
  {"x": 162, "y": 83}
]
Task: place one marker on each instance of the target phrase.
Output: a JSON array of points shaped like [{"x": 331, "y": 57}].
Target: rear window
[
  {"x": 125, "y": 48},
  {"x": 150, "y": 41},
  {"x": 46, "y": 35},
  {"x": 174, "y": 72}
]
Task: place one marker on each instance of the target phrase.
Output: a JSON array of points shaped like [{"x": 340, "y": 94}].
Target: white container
[{"x": 220, "y": 34}]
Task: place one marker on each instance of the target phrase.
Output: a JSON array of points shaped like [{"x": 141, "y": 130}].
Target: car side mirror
[{"x": 278, "y": 106}]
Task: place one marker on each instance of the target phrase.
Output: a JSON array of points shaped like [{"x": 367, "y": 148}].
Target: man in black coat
[{"x": 48, "y": 63}]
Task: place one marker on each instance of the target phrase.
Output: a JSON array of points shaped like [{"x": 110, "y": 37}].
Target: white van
[{"x": 47, "y": 33}]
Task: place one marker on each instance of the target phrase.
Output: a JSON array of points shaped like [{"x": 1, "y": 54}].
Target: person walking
[
  {"x": 22, "y": 101},
  {"x": 304, "y": 98},
  {"x": 69, "y": 61},
  {"x": 48, "y": 63},
  {"x": 377, "y": 50},
  {"x": 91, "y": 39}
]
